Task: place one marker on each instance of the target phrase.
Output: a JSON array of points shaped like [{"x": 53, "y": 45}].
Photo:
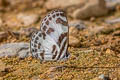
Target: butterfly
[{"x": 51, "y": 41}]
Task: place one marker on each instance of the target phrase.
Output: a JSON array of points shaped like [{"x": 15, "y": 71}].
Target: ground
[{"x": 97, "y": 54}]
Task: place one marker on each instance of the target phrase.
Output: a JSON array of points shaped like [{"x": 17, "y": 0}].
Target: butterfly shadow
[{"x": 82, "y": 67}]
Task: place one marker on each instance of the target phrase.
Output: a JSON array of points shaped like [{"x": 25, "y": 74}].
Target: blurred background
[{"x": 94, "y": 25}]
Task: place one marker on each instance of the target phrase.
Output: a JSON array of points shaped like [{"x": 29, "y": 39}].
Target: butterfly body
[{"x": 51, "y": 41}]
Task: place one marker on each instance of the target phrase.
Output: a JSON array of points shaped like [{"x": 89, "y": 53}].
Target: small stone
[
  {"x": 0, "y": 22},
  {"x": 92, "y": 19},
  {"x": 74, "y": 42},
  {"x": 113, "y": 21},
  {"x": 112, "y": 4},
  {"x": 93, "y": 8},
  {"x": 1, "y": 78},
  {"x": 116, "y": 33},
  {"x": 51, "y": 4},
  {"x": 3, "y": 69},
  {"x": 107, "y": 30},
  {"x": 77, "y": 24},
  {"x": 94, "y": 30},
  {"x": 20, "y": 50},
  {"x": 73, "y": 31},
  {"x": 103, "y": 77},
  {"x": 118, "y": 8},
  {"x": 2, "y": 66},
  {"x": 108, "y": 51},
  {"x": 27, "y": 19},
  {"x": 3, "y": 35}
]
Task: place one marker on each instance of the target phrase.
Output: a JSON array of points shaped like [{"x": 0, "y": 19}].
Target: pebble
[
  {"x": 111, "y": 4},
  {"x": 74, "y": 42},
  {"x": 51, "y": 4},
  {"x": 78, "y": 24},
  {"x": 92, "y": 8},
  {"x": 0, "y": 22},
  {"x": 103, "y": 77},
  {"x": 113, "y": 21},
  {"x": 27, "y": 19},
  {"x": 20, "y": 50}
]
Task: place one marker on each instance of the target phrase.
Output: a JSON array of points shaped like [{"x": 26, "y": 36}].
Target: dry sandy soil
[{"x": 95, "y": 55}]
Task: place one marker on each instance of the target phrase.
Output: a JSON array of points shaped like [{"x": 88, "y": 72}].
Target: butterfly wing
[
  {"x": 54, "y": 39},
  {"x": 40, "y": 48}
]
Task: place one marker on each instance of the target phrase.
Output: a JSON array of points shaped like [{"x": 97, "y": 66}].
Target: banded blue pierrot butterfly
[{"x": 51, "y": 41}]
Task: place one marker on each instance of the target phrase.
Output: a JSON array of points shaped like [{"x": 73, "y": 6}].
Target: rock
[
  {"x": 2, "y": 66},
  {"x": 93, "y": 8},
  {"x": 107, "y": 30},
  {"x": 11, "y": 20},
  {"x": 0, "y": 22},
  {"x": 74, "y": 42},
  {"x": 77, "y": 24},
  {"x": 108, "y": 51},
  {"x": 113, "y": 21},
  {"x": 116, "y": 33},
  {"x": 2, "y": 4},
  {"x": 73, "y": 31},
  {"x": 20, "y": 50},
  {"x": 51, "y": 4},
  {"x": 21, "y": 19},
  {"x": 4, "y": 69},
  {"x": 94, "y": 30},
  {"x": 3, "y": 35},
  {"x": 27, "y": 19},
  {"x": 103, "y": 77},
  {"x": 76, "y": 27},
  {"x": 111, "y": 4}
]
